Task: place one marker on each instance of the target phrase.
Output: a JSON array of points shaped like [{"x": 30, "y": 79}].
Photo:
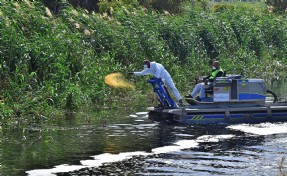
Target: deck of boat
[{"x": 222, "y": 113}]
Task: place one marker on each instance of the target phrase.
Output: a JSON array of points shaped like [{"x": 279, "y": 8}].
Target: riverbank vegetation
[{"x": 54, "y": 57}]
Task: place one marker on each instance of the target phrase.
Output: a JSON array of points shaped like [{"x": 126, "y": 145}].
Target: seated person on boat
[{"x": 207, "y": 81}]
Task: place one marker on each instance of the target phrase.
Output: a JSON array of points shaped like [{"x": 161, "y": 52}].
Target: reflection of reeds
[{"x": 281, "y": 167}]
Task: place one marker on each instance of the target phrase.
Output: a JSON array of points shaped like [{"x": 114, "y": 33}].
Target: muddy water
[{"x": 136, "y": 146}]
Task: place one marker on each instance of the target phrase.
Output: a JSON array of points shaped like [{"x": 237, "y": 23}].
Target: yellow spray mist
[{"x": 117, "y": 80}]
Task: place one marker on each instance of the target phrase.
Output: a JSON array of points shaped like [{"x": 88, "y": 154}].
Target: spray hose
[{"x": 274, "y": 95}]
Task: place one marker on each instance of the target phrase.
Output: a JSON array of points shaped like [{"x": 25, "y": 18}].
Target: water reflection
[
  {"x": 135, "y": 145},
  {"x": 216, "y": 151}
]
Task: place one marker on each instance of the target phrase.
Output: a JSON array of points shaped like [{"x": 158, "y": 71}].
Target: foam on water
[
  {"x": 261, "y": 129},
  {"x": 109, "y": 158},
  {"x": 96, "y": 162},
  {"x": 56, "y": 169},
  {"x": 212, "y": 138},
  {"x": 142, "y": 113},
  {"x": 179, "y": 145}
]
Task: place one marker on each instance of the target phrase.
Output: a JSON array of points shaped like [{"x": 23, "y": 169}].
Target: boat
[{"x": 230, "y": 100}]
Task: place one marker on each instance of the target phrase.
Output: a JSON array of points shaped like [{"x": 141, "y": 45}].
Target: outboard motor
[{"x": 162, "y": 93}]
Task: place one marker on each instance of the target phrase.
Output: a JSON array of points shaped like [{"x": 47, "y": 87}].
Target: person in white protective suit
[{"x": 159, "y": 71}]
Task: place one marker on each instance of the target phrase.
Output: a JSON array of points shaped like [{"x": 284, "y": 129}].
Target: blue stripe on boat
[
  {"x": 260, "y": 115},
  {"x": 233, "y": 116},
  {"x": 214, "y": 116},
  {"x": 248, "y": 96},
  {"x": 279, "y": 115}
]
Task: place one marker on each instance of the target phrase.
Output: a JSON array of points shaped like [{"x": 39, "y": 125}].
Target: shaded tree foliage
[
  {"x": 172, "y": 6},
  {"x": 55, "y": 5},
  {"x": 277, "y": 6}
]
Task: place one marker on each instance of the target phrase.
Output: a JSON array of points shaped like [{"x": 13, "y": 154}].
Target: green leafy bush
[
  {"x": 222, "y": 7},
  {"x": 172, "y": 6},
  {"x": 60, "y": 61},
  {"x": 111, "y": 5}
]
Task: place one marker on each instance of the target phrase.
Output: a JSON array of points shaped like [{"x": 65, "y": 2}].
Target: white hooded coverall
[{"x": 159, "y": 71}]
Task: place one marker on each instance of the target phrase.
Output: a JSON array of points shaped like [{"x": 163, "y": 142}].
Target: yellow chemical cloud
[{"x": 117, "y": 80}]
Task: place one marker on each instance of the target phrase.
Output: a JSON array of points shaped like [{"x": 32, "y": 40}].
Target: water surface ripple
[{"x": 138, "y": 146}]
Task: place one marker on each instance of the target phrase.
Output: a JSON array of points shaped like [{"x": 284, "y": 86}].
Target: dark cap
[{"x": 146, "y": 62}]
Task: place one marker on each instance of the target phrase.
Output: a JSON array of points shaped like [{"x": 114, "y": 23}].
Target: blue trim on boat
[
  {"x": 279, "y": 115},
  {"x": 205, "y": 117},
  {"x": 215, "y": 116},
  {"x": 248, "y": 96},
  {"x": 234, "y": 116},
  {"x": 260, "y": 115}
]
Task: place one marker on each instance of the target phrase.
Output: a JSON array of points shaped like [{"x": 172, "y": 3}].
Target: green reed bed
[{"x": 55, "y": 63}]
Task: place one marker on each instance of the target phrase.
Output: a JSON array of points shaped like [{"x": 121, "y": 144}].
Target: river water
[{"x": 134, "y": 145}]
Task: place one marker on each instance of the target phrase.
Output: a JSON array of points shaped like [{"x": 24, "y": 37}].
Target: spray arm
[{"x": 162, "y": 93}]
